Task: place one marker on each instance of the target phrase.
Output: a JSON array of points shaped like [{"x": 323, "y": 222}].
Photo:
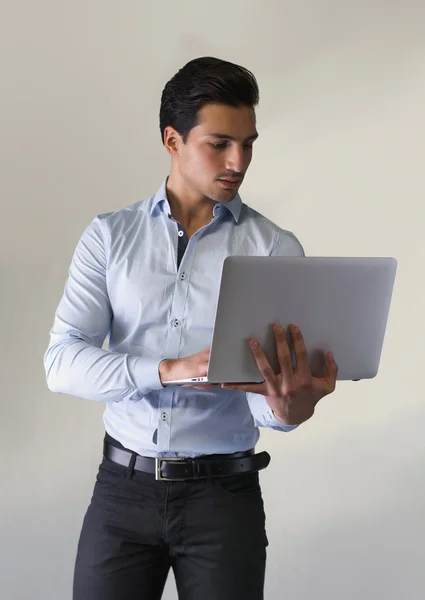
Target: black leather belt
[{"x": 179, "y": 469}]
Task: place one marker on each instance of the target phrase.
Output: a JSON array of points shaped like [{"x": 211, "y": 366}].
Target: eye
[{"x": 222, "y": 145}]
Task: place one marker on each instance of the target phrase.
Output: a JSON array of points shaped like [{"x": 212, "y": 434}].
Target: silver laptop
[{"x": 340, "y": 303}]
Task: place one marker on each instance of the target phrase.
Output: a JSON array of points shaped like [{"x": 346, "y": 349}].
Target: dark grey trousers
[{"x": 212, "y": 535}]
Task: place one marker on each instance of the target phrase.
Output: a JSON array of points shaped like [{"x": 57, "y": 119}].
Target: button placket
[{"x": 182, "y": 277}]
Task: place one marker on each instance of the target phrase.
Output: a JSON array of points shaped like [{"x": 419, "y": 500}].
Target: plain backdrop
[{"x": 340, "y": 162}]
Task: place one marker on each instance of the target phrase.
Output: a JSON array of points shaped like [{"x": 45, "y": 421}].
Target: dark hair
[{"x": 202, "y": 81}]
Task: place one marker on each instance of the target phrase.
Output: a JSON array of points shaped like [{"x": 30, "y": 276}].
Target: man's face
[{"x": 218, "y": 151}]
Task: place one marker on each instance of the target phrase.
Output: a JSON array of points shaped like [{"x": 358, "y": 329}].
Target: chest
[{"x": 151, "y": 274}]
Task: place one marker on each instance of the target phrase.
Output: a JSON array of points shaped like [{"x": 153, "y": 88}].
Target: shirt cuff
[
  {"x": 145, "y": 374},
  {"x": 276, "y": 424},
  {"x": 263, "y": 414}
]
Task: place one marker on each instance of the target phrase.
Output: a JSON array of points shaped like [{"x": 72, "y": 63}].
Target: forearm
[{"x": 75, "y": 367}]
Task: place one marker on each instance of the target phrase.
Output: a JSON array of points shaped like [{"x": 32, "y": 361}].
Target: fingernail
[
  {"x": 253, "y": 344},
  {"x": 278, "y": 329},
  {"x": 294, "y": 329}
]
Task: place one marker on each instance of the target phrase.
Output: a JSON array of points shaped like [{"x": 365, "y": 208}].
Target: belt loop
[{"x": 130, "y": 467}]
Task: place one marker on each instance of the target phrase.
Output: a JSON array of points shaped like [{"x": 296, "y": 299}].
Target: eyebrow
[{"x": 223, "y": 136}]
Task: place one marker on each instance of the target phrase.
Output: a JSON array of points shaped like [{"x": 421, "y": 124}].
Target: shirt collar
[
  {"x": 233, "y": 206},
  {"x": 160, "y": 202}
]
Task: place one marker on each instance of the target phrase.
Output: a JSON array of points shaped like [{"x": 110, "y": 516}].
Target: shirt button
[
  {"x": 164, "y": 416},
  {"x": 183, "y": 276},
  {"x": 176, "y": 323},
  {"x": 181, "y": 233}
]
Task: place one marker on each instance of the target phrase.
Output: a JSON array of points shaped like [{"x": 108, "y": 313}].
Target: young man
[{"x": 147, "y": 276}]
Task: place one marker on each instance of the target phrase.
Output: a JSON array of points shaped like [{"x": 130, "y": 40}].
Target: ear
[{"x": 172, "y": 141}]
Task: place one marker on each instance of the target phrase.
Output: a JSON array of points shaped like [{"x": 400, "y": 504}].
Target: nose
[{"x": 235, "y": 159}]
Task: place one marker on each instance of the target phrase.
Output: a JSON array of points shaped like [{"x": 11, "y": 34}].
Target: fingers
[
  {"x": 270, "y": 378},
  {"x": 283, "y": 353},
  {"x": 301, "y": 355},
  {"x": 256, "y": 388},
  {"x": 331, "y": 372},
  {"x": 203, "y": 355}
]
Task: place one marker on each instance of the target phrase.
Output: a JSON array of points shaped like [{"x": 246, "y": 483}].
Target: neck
[{"x": 190, "y": 208}]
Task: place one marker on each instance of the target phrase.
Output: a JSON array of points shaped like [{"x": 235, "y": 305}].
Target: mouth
[{"x": 230, "y": 183}]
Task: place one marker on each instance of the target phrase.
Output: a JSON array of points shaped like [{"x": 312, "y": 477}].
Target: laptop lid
[{"x": 340, "y": 303}]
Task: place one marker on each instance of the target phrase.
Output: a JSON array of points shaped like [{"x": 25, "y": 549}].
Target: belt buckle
[{"x": 159, "y": 477}]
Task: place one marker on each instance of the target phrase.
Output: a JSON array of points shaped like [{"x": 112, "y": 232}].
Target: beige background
[{"x": 340, "y": 162}]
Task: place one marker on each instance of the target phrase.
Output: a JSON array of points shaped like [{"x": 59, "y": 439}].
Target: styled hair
[{"x": 202, "y": 81}]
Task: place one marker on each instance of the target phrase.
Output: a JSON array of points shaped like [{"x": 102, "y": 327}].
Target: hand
[
  {"x": 292, "y": 394},
  {"x": 195, "y": 365}
]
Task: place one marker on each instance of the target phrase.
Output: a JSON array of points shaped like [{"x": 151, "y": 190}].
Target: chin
[{"x": 223, "y": 195}]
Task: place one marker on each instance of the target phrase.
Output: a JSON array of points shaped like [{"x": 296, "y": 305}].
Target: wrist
[
  {"x": 164, "y": 369},
  {"x": 279, "y": 417}
]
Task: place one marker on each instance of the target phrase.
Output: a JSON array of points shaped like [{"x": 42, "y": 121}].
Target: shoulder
[
  {"x": 131, "y": 211},
  {"x": 285, "y": 242},
  {"x": 112, "y": 225}
]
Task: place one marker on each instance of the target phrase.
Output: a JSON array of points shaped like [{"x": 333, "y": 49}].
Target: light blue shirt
[{"x": 124, "y": 285}]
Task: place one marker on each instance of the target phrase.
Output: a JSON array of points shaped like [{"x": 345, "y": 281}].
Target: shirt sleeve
[
  {"x": 75, "y": 362},
  {"x": 287, "y": 244},
  {"x": 263, "y": 414}
]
